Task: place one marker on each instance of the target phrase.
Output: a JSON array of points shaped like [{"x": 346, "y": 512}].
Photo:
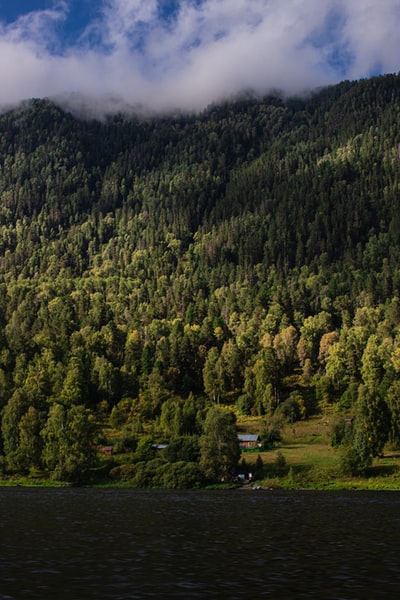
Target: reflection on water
[{"x": 128, "y": 544}]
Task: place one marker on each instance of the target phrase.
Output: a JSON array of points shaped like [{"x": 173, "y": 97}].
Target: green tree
[
  {"x": 68, "y": 437},
  {"x": 5, "y": 388},
  {"x": 285, "y": 343},
  {"x": 371, "y": 363},
  {"x": 11, "y": 417},
  {"x": 145, "y": 450},
  {"x": 171, "y": 417},
  {"x": 266, "y": 378},
  {"x": 335, "y": 365},
  {"x": 393, "y": 402},
  {"x": 327, "y": 341},
  {"x": 311, "y": 333},
  {"x": 370, "y": 430},
  {"x": 182, "y": 448},
  {"x": 29, "y": 451},
  {"x": 181, "y": 475},
  {"x": 75, "y": 384},
  {"x": 104, "y": 378},
  {"x": 232, "y": 365},
  {"x": 213, "y": 375},
  {"x": 219, "y": 445}
]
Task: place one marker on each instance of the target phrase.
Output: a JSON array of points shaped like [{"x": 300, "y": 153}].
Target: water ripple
[{"x": 127, "y": 545}]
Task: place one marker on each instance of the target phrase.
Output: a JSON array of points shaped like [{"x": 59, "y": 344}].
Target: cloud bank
[{"x": 165, "y": 55}]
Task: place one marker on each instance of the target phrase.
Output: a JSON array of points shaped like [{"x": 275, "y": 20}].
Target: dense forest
[{"x": 155, "y": 270}]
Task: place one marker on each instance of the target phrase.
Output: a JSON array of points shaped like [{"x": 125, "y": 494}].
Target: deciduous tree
[{"x": 219, "y": 446}]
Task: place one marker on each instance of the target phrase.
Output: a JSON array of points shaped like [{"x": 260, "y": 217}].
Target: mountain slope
[{"x": 248, "y": 254}]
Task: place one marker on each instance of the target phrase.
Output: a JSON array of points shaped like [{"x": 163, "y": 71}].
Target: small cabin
[
  {"x": 107, "y": 450},
  {"x": 249, "y": 441}
]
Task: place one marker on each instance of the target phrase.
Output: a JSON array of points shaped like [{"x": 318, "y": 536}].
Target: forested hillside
[{"x": 247, "y": 256}]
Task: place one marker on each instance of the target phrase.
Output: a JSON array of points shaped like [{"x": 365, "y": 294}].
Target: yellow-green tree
[{"x": 219, "y": 446}]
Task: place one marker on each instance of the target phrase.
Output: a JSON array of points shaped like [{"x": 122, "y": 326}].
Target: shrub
[
  {"x": 149, "y": 474},
  {"x": 181, "y": 475},
  {"x": 290, "y": 410},
  {"x": 280, "y": 464},
  {"x": 124, "y": 444},
  {"x": 352, "y": 463},
  {"x": 259, "y": 468},
  {"x": 244, "y": 404},
  {"x": 271, "y": 436},
  {"x": 182, "y": 448},
  {"x": 123, "y": 472}
]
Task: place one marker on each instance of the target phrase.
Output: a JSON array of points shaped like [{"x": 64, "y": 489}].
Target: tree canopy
[{"x": 247, "y": 255}]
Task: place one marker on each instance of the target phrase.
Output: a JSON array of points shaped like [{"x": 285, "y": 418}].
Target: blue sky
[
  {"x": 185, "y": 54},
  {"x": 78, "y": 15}
]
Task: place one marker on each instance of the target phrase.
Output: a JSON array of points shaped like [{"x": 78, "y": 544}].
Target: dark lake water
[{"x": 119, "y": 544}]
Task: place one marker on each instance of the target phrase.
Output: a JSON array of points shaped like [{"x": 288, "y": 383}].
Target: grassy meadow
[{"x": 305, "y": 459}]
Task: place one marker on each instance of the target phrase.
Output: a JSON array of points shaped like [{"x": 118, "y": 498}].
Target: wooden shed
[{"x": 249, "y": 441}]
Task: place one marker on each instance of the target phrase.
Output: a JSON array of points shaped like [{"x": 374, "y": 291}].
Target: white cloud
[
  {"x": 209, "y": 50},
  {"x": 35, "y": 28},
  {"x": 373, "y": 31}
]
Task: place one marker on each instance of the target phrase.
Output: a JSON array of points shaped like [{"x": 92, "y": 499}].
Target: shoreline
[{"x": 362, "y": 485}]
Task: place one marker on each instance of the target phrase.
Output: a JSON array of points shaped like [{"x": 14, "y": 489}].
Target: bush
[
  {"x": 123, "y": 472},
  {"x": 259, "y": 468},
  {"x": 181, "y": 475},
  {"x": 182, "y": 448},
  {"x": 351, "y": 463},
  {"x": 145, "y": 450},
  {"x": 124, "y": 444},
  {"x": 244, "y": 404},
  {"x": 120, "y": 414},
  {"x": 271, "y": 436},
  {"x": 290, "y": 410},
  {"x": 149, "y": 474},
  {"x": 280, "y": 464},
  {"x": 342, "y": 433},
  {"x": 338, "y": 434}
]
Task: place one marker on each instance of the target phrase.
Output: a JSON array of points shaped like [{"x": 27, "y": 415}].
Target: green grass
[
  {"x": 32, "y": 482},
  {"x": 311, "y": 462}
]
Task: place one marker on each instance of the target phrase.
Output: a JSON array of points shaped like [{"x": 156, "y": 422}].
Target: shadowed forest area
[{"x": 161, "y": 279}]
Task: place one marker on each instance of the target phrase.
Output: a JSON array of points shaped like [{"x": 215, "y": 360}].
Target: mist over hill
[{"x": 247, "y": 255}]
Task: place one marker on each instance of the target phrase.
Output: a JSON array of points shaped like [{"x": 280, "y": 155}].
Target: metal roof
[{"x": 248, "y": 437}]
